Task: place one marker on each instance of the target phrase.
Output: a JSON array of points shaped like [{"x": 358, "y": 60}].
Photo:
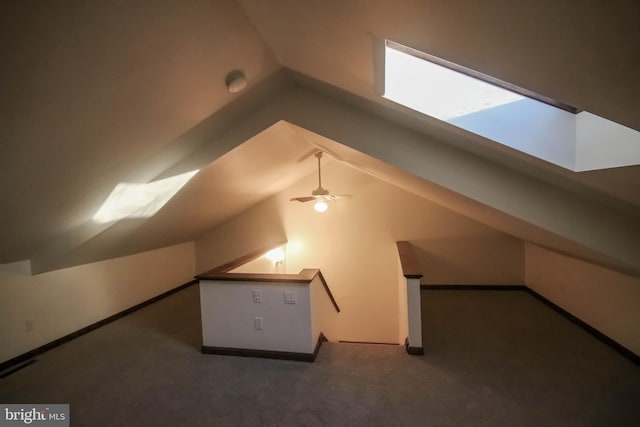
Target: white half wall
[
  {"x": 228, "y": 316},
  {"x": 52, "y": 305}
]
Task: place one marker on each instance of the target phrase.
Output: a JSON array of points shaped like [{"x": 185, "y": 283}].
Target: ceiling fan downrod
[{"x": 319, "y": 191}]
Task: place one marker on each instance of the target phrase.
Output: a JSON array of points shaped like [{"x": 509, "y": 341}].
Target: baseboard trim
[
  {"x": 367, "y": 342},
  {"x": 414, "y": 351},
  {"x": 622, "y": 350},
  {"x": 616, "y": 346},
  {"x": 15, "y": 368},
  {"x": 474, "y": 287},
  {"x": 53, "y": 344},
  {"x": 266, "y": 354}
]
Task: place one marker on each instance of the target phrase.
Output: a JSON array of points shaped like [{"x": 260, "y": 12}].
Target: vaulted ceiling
[{"x": 98, "y": 93}]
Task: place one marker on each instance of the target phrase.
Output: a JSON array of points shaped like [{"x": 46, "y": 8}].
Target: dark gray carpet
[{"x": 493, "y": 358}]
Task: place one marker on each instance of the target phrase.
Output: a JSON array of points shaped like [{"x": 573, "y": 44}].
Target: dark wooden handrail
[
  {"x": 305, "y": 276},
  {"x": 328, "y": 291},
  {"x": 410, "y": 268},
  {"x": 221, "y": 273}
]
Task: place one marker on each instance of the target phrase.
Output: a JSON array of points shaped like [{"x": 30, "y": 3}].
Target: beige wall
[
  {"x": 253, "y": 229},
  {"x": 64, "y": 301},
  {"x": 492, "y": 258},
  {"x": 469, "y": 255},
  {"x": 606, "y": 300},
  {"x": 353, "y": 243}
]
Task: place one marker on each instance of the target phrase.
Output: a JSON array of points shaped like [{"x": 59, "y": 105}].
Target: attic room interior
[{"x": 523, "y": 218}]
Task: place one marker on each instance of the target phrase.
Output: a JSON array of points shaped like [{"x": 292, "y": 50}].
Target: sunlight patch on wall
[{"x": 129, "y": 200}]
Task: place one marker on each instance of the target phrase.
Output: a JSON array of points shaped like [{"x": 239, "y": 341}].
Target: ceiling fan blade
[{"x": 302, "y": 199}]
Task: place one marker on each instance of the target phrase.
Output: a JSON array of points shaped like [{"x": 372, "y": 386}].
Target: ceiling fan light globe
[{"x": 321, "y": 206}]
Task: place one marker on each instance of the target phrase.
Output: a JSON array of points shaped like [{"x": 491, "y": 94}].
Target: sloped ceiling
[
  {"x": 584, "y": 54},
  {"x": 92, "y": 91},
  {"x": 97, "y": 94}
]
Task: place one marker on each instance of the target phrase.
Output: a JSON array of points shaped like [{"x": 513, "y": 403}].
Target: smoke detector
[{"x": 236, "y": 81}]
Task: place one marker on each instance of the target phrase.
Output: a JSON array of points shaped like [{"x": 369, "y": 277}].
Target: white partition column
[
  {"x": 411, "y": 293},
  {"x": 278, "y": 316},
  {"x": 414, "y": 314}
]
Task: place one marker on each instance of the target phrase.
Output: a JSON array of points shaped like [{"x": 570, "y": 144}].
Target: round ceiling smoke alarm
[{"x": 236, "y": 81}]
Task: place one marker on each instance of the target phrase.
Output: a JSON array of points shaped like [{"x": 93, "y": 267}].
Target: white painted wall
[
  {"x": 529, "y": 126},
  {"x": 323, "y": 314},
  {"x": 601, "y": 143},
  {"x": 606, "y": 300},
  {"x": 252, "y": 229},
  {"x": 228, "y": 314},
  {"x": 354, "y": 244},
  {"x": 64, "y": 301},
  {"x": 263, "y": 265}
]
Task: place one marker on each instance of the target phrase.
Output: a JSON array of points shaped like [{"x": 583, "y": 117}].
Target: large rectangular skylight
[
  {"x": 505, "y": 113},
  {"x": 438, "y": 91},
  {"x": 129, "y": 200}
]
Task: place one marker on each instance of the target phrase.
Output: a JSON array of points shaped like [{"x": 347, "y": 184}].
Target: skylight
[
  {"x": 505, "y": 113},
  {"x": 128, "y": 200},
  {"x": 442, "y": 93}
]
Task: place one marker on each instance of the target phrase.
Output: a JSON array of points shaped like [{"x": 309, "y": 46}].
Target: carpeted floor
[{"x": 493, "y": 358}]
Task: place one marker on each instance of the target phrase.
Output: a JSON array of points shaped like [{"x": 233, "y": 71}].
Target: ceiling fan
[{"x": 320, "y": 195}]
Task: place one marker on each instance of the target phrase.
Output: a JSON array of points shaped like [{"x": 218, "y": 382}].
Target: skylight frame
[{"x": 481, "y": 76}]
